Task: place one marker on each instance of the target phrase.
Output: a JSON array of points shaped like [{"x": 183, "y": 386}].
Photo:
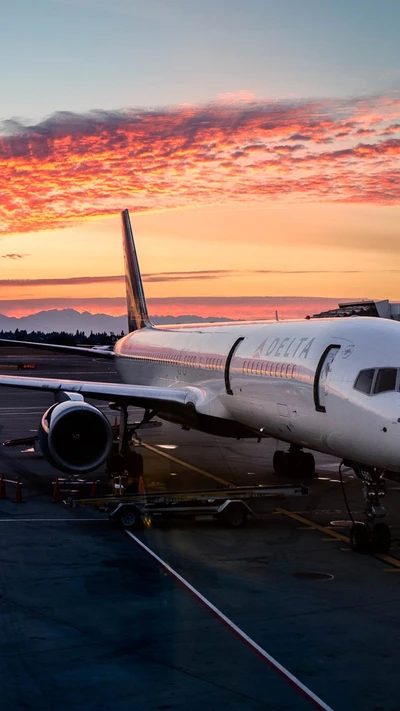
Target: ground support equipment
[{"x": 231, "y": 506}]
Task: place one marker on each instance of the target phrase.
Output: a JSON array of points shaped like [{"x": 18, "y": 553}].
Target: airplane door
[{"x": 322, "y": 376}]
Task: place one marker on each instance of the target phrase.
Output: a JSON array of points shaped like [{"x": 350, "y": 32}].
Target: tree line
[{"x": 62, "y": 338}]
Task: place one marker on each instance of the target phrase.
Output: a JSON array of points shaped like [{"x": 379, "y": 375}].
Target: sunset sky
[{"x": 255, "y": 142}]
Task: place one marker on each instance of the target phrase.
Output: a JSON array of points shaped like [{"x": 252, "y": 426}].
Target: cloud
[
  {"x": 86, "y": 165},
  {"x": 14, "y": 256},
  {"x": 163, "y": 277}
]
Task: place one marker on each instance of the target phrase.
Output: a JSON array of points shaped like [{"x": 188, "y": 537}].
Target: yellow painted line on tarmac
[
  {"x": 305, "y": 528},
  {"x": 312, "y": 524},
  {"x": 228, "y": 484},
  {"x": 388, "y": 559},
  {"x": 395, "y": 562}
]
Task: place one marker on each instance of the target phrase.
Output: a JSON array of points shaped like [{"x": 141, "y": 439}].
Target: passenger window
[
  {"x": 364, "y": 381},
  {"x": 385, "y": 380}
]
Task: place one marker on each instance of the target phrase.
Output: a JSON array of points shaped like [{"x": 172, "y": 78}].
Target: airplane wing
[
  {"x": 67, "y": 350},
  {"x": 146, "y": 396}
]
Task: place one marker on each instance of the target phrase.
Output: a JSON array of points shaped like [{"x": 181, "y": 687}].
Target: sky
[{"x": 255, "y": 142}]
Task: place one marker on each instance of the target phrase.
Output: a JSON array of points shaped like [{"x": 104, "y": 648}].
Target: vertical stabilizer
[{"x": 137, "y": 309}]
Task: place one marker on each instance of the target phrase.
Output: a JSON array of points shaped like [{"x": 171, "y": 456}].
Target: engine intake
[{"x": 75, "y": 436}]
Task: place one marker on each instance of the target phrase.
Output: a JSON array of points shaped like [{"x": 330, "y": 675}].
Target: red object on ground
[
  {"x": 56, "y": 498},
  {"x": 141, "y": 487}
]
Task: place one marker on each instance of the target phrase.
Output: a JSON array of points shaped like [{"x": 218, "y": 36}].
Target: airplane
[{"x": 329, "y": 385}]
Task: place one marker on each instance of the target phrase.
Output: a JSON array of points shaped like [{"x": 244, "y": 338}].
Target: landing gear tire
[
  {"x": 133, "y": 463},
  {"x": 359, "y": 538},
  {"x": 295, "y": 463},
  {"x": 115, "y": 464},
  {"x": 381, "y": 538},
  {"x": 307, "y": 466},
  {"x": 279, "y": 462}
]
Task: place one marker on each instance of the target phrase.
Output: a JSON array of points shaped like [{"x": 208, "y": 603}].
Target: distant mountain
[{"x": 70, "y": 321}]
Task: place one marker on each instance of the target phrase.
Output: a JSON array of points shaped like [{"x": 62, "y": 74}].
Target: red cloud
[{"x": 71, "y": 166}]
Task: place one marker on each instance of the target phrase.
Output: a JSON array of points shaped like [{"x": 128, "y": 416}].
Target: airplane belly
[{"x": 262, "y": 406}]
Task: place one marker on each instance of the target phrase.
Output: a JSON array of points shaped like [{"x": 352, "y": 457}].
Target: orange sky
[{"x": 270, "y": 198}]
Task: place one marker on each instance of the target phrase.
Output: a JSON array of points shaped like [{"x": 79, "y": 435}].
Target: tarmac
[{"x": 202, "y": 616}]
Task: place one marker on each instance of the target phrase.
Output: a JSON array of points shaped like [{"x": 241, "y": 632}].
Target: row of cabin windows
[
  {"x": 376, "y": 380},
  {"x": 185, "y": 361},
  {"x": 275, "y": 370}
]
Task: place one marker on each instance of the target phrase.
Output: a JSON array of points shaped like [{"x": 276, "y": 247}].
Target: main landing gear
[
  {"x": 372, "y": 536},
  {"x": 123, "y": 462},
  {"x": 294, "y": 462}
]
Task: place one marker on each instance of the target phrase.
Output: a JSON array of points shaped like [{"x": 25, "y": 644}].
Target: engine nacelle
[{"x": 75, "y": 436}]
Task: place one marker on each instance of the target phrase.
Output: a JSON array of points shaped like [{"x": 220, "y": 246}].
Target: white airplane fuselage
[{"x": 290, "y": 380}]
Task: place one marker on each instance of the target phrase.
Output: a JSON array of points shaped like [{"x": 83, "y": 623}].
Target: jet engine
[{"x": 75, "y": 436}]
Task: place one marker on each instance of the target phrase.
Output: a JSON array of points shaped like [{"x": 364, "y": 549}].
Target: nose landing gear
[{"x": 371, "y": 536}]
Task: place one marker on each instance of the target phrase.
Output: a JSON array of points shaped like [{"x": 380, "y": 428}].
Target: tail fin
[{"x": 137, "y": 309}]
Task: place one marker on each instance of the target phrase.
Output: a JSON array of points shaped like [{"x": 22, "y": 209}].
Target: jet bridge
[{"x": 378, "y": 309}]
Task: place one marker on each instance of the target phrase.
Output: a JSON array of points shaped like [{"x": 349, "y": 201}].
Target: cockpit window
[
  {"x": 364, "y": 380},
  {"x": 385, "y": 380}
]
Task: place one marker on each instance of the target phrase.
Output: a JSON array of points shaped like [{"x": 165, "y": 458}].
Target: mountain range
[{"x": 69, "y": 320}]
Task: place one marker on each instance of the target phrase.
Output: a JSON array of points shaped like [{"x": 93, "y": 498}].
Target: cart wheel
[
  {"x": 129, "y": 518},
  {"x": 235, "y": 516}
]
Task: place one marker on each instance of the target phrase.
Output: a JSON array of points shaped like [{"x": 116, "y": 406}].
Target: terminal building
[{"x": 380, "y": 309}]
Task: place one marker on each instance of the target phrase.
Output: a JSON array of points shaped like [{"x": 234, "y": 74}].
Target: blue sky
[{"x": 78, "y": 55}]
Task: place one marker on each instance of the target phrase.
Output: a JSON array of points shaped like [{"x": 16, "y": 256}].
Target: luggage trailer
[{"x": 231, "y": 506}]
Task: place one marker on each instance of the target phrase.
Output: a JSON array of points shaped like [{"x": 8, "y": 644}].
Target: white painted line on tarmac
[
  {"x": 332, "y": 466},
  {"x": 273, "y": 663},
  {"x": 58, "y": 520}
]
